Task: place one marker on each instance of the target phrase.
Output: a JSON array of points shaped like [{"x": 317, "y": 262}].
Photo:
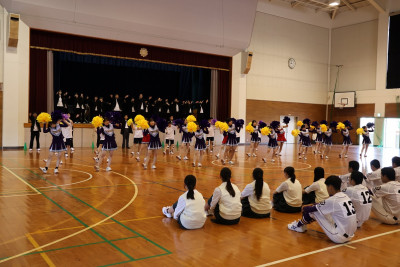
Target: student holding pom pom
[
  {"x": 200, "y": 145},
  {"x": 281, "y": 135},
  {"x": 328, "y": 140},
  {"x": 253, "y": 129},
  {"x": 366, "y": 140},
  {"x": 109, "y": 144},
  {"x": 154, "y": 144},
  {"x": 346, "y": 138},
  {"x": 186, "y": 139}
]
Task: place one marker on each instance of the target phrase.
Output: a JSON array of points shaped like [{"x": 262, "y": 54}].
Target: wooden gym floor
[{"x": 83, "y": 218}]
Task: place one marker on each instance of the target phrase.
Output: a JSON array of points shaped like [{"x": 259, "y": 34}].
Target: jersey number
[
  {"x": 349, "y": 207},
  {"x": 367, "y": 197}
]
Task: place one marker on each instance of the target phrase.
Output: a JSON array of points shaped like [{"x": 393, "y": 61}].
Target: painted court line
[
  {"x": 328, "y": 248},
  {"x": 43, "y": 254},
  {"x": 22, "y": 180}
]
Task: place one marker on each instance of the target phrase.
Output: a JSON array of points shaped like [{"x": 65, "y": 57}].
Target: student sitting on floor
[
  {"x": 316, "y": 192},
  {"x": 287, "y": 197},
  {"x": 396, "y": 167},
  {"x": 386, "y": 205},
  {"x": 255, "y": 197},
  {"x": 225, "y": 201},
  {"x": 189, "y": 209},
  {"x": 336, "y": 215},
  {"x": 360, "y": 196},
  {"x": 374, "y": 178},
  {"x": 353, "y": 166}
]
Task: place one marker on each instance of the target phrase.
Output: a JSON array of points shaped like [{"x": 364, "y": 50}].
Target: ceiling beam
[
  {"x": 333, "y": 14},
  {"x": 377, "y": 6},
  {"x": 349, "y": 5}
]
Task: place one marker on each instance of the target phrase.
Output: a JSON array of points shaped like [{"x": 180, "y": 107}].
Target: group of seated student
[
  {"x": 340, "y": 204},
  {"x": 84, "y": 107}
]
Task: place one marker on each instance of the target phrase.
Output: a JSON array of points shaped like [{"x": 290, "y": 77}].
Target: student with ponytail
[
  {"x": 189, "y": 209},
  {"x": 288, "y": 196},
  {"x": 225, "y": 201},
  {"x": 255, "y": 197},
  {"x": 317, "y": 191}
]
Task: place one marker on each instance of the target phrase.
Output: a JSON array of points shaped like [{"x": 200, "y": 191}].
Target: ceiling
[{"x": 220, "y": 27}]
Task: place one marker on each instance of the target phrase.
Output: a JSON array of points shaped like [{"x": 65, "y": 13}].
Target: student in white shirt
[
  {"x": 317, "y": 191},
  {"x": 386, "y": 203},
  {"x": 210, "y": 136},
  {"x": 374, "y": 178},
  {"x": 100, "y": 142},
  {"x": 288, "y": 196},
  {"x": 353, "y": 166},
  {"x": 396, "y": 167},
  {"x": 360, "y": 195},
  {"x": 255, "y": 198},
  {"x": 189, "y": 209},
  {"x": 336, "y": 215},
  {"x": 137, "y": 141},
  {"x": 68, "y": 137},
  {"x": 225, "y": 202},
  {"x": 169, "y": 138}
]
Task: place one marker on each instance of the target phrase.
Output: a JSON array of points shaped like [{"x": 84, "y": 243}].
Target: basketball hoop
[{"x": 342, "y": 105}]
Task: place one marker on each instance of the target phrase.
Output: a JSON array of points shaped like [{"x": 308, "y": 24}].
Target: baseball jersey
[
  {"x": 390, "y": 194},
  {"x": 362, "y": 201},
  {"x": 340, "y": 208},
  {"x": 319, "y": 187},
  {"x": 346, "y": 181},
  {"x": 374, "y": 178}
]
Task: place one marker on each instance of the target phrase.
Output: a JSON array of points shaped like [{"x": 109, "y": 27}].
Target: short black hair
[
  {"x": 396, "y": 161},
  {"x": 334, "y": 181},
  {"x": 375, "y": 163},
  {"x": 354, "y": 165},
  {"x": 357, "y": 177},
  {"x": 389, "y": 173}
]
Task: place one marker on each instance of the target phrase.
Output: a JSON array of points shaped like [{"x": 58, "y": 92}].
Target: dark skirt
[
  {"x": 154, "y": 142},
  {"x": 366, "y": 140},
  {"x": 254, "y": 137},
  {"x": 186, "y": 138},
  {"x": 218, "y": 219},
  {"x": 347, "y": 140},
  {"x": 320, "y": 138},
  {"x": 249, "y": 213},
  {"x": 109, "y": 143},
  {"x": 200, "y": 144},
  {"x": 272, "y": 142},
  {"x": 309, "y": 198},
  {"x": 305, "y": 141},
  {"x": 327, "y": 140},
  {"x": 57, "y": 144},
  {"x": 279, "y": 204},
  {"x": 232, "y": 141}
]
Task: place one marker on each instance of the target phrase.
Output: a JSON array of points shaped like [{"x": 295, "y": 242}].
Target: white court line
[
  {"x": 276, "y": 167},
  {"x": 328, "y": 248},
  {"x": 22, "y": 180},
  {"x": 83, "y": 230}
]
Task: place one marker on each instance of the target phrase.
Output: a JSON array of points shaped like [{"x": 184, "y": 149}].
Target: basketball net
[{"x": 342, "y": 105}]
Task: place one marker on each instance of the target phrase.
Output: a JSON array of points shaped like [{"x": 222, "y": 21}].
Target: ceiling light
[{"x": 334, "y": 2}]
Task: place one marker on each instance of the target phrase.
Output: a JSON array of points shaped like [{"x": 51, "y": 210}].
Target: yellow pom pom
[
  {"x": 129, "y": 122},
  {"x": 192, "y": 127},
  {"x": 312, "y": 128},
  {"x": 44, "y": 117},
  {"x": 324, "y": 128},
  {"x": 217, "y": 124},
  {"x": 360, "y": 131},
  {"x": 340, "y": 126},
  {"x": 97, "y": 121},
  {"x": 138, "y": 118},
  {"x": 295, "y": 132},
  {"x": 224, "y": 126},
  {"x": 250, "y": 128},
  {"x": 299, "y": 123},
  {"x": 265, "y": 131},
  {"x": 144, "y": 124},
  {"x": 191, "y": 118}
]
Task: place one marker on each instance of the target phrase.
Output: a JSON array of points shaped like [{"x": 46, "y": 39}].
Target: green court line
[
  {"x": 138, "y": 259},
  {"x": 77, "y": 219}
]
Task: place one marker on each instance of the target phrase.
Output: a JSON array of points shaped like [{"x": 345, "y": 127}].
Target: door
[{"x": 291, "y": 126}]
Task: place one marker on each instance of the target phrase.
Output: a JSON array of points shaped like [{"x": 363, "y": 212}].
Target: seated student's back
[
  {"x": 230, "y": 207},
  {"x": 291, "y": 188},
  {"x": 258, "y": 194}
]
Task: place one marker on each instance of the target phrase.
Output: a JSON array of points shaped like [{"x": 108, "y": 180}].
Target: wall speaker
[
  {"x": 247, "y": 57},
  {"x": 13, "y": 30}
]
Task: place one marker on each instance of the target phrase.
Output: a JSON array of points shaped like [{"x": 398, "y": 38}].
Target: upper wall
[
  {"x": 355, "y": 47},
  {"x": 273, "y": 42}
]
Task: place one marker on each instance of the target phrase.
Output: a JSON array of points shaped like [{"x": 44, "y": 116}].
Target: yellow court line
[
  {"x": 75, "y": 227},
  {"x": 22, "y": 180},
  {"x": 44, "y": 255}
]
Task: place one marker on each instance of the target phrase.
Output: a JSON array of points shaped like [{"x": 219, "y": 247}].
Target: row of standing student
[{"x": 338, "y": 210}]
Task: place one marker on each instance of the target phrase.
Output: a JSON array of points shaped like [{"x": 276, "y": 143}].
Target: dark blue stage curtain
[
  {"x": 101, "y": 76},
  {"x": 393, "y": 70}
]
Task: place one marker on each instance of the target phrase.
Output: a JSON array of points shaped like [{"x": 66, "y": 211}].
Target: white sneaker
[
  {"x": 55, "y": 171},
  {"x": 254, "y": 155},
  {"x": 194, "y": 164},
  {"x": 185, "y": 158},
  {"x": 96, "y": 159},
  {"x": 365, "y": 155},
  {"x": 217, "y": 156},
  {"x": 300, "y": 157},
  {"x": 108, "y": 160},
  {"x": 132, "y": 154},
  {"x": 45, "y": 160},
  {"x": 66, "y": 155},
  {"x": 72, "y": 149},
  {"x": 165, "y": 212},
  {"x": 231, "y": 162},
  {"x": 61, "y": 162},
  {"x": 319, "y": 152},
  {"x": 211, "y": 151},
  {"x": 137, "y": 159},
  {"x": 199, "y": 165},
  {"x": 30, "y": 149},
  {"x": 248, "y": 154},
  {"x": 108, "y": 169},
  {"x": 144, "y": 166},
  {"x": 96, "y": 168},
  {"x": 272, "y": 160},
  {"x": 263, "y": 159},
  {"x": 345, "y": 156},
  {"x": 326, "y": 157},
  {"x": 293, "y": 226},
  {"x": 164, "y": 152},
  {"x": 38, "y": 149},
  {"x": 179, "y": 157},
  {"x": 305, "y": 158},
  {"x": 172, "y": 152},
  {"x": 43, "y": 170},
  {"x": 154, "y": 167}
]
